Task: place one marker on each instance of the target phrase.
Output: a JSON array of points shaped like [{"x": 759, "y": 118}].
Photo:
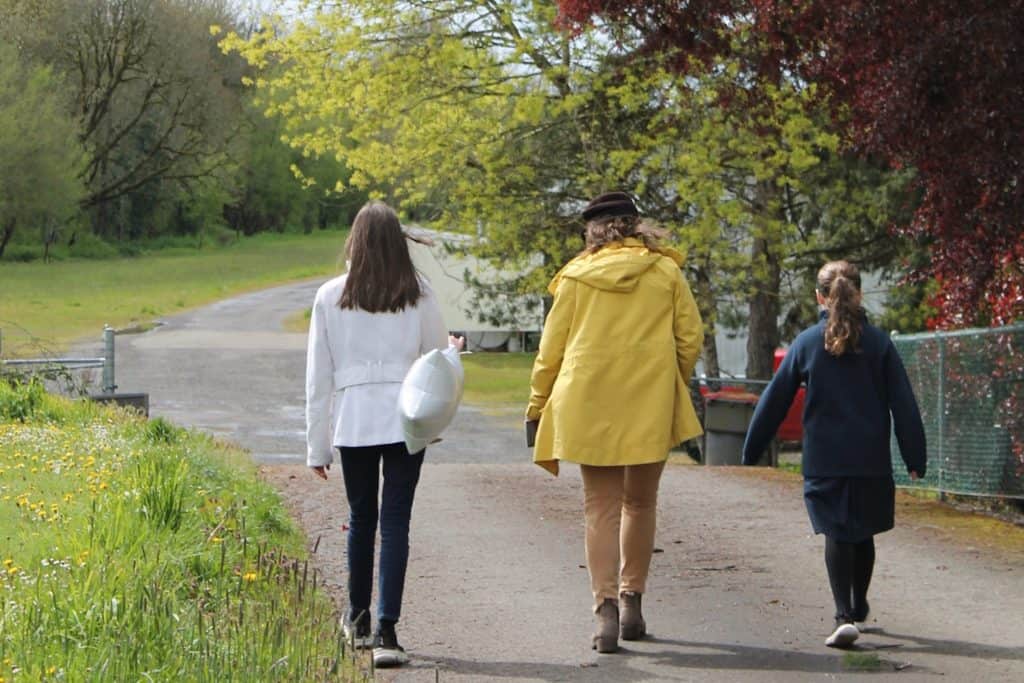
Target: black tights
[{"x": 849, "y": 573}]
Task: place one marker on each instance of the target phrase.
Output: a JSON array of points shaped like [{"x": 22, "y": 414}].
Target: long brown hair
[
  {"x": 604, "y": 231},
  {"x": 381, "y": 276},
  {"x": 839, "y": 285}
]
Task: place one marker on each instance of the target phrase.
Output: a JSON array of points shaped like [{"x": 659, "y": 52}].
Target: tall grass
[
  {"x": 54, "y": 304},
  {"x": 135, "y": 550}
]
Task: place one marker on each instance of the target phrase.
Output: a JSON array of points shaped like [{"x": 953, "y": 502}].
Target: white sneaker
[
  {"x": 357, "y": 634},
  {"x": 844, "y": 635}
]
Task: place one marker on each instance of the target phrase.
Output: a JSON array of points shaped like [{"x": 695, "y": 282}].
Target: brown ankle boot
[
  {"x": 606, "y": 638},
  {"x": 632, "y": 622}
]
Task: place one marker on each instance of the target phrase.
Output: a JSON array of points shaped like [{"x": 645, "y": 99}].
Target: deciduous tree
[
  {"x": 485, "y": 118},
  {"x": 39, "y": 152},
  {"x": 156, "y": 103},
  {"x": 933, "y": 85}
]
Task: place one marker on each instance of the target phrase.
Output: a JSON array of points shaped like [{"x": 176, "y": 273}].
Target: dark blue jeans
[{"x": 361, "y": 468}]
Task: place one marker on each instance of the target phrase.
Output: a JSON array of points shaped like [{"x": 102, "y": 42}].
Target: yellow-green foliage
[
  {"x": 135, "y": 550},
  {"x": 489, "y": 119},
  {"x": 54, "y": 304}
]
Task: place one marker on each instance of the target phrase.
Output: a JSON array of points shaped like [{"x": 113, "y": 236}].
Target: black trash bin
[{"x": 727, "y": 415}]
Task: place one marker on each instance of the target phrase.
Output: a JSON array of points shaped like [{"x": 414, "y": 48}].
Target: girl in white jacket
[{"x": 366, "y": 329}]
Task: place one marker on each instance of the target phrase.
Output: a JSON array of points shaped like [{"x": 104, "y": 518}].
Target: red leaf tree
[{"x": 936, "y": 85}]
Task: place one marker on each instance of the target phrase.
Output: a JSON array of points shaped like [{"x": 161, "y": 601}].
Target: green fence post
[{"x": 942, "y": 415}]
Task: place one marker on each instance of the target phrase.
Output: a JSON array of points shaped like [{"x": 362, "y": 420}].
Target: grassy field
[
  {"x": 48, "y": 306},
  {"x": 134, "y": 550},
  {"x": 499, "y": 380}
]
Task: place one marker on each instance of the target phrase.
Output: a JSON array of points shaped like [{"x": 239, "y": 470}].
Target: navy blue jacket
[{"x": 847, "y": 408}]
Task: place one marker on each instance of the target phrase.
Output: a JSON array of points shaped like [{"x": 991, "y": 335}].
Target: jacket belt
[{"x": 369, "y": 373}]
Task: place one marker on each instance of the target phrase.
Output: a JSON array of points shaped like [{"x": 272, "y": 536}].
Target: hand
[
  {"x": 913, "y": 475},
  {"x": 320, "y": 470},
  {"x": 457, "y": 342}
]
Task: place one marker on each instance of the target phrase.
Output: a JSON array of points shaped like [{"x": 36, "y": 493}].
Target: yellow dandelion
[
  {"x": 103, "y": 486},
  {"x": 249, "y": 576},
  {"x": 51, "y": 670},
  {"x": 8, "y": 562},
  {"x": 12, "y": 571},
  {"x": 215, "y": 539}
]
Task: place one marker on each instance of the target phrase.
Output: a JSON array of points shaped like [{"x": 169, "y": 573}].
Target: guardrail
[{"x": 109, "y": 386}]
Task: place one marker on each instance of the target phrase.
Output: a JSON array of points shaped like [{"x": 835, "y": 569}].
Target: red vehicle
[{"x": 792, "y": 427}]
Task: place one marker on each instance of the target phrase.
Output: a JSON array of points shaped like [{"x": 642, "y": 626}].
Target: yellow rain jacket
[{"x": 610, "y": 382}]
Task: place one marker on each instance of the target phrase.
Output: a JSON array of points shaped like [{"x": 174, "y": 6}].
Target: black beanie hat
[{"x": 609, "y": 205}]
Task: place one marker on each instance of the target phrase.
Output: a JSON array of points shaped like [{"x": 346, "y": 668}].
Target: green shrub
[
  {"x": 21, "y": 400},
  {"x": 23, "y": 253},
  {"x": 89, "y": 246}
]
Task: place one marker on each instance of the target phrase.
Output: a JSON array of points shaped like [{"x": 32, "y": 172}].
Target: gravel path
[{"x": 497, "y": 587}]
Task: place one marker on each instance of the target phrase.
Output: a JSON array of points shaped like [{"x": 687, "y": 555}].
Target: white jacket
[{"x": 357, "y": 361}]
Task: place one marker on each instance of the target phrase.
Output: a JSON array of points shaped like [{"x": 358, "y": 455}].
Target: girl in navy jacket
[{"x": 857, "y": 392}]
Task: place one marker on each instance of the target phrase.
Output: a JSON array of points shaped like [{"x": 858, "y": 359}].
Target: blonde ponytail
[{"x": 839, "y": 285}]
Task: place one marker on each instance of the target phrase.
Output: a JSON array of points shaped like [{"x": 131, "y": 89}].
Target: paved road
[{"x": 497, "y": 587}]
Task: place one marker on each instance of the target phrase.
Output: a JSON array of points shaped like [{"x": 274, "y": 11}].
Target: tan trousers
[{"x": 619, "y": 504}]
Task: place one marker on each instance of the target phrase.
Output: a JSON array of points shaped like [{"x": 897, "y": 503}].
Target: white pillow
[{"x": 430, "y": 396}]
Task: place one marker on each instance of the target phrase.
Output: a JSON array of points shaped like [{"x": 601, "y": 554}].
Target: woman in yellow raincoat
[{"x": 610, "y": 390}]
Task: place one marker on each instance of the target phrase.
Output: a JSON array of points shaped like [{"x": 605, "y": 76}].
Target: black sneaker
[
  {"x": 357, "y": 631},
  {"x": 386, "y": 650}
]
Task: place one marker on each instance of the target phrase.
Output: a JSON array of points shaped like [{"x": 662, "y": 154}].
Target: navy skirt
[{"x": 850, "y": 509}]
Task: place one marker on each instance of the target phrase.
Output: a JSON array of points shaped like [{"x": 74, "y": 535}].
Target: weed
[
  {"x": 20, "y": 400},
  {"x": 159, "y": 430},
  {"x": 140, "y": 551},
  {"x": 861, "y": 661}
]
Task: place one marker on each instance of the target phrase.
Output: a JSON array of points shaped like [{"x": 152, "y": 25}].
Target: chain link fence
[{"x": 969, "y": 385}]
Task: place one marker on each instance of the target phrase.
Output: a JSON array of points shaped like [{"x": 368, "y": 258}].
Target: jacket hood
[{"x": 617, "y": 267}]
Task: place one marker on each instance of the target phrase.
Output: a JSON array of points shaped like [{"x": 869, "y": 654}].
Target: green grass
[
  {"x": 134, "y": 550},
  {"x": 861, "y": 661},
  {"x": 501, "y": 380},
  {"x": 48, "y": 306}
]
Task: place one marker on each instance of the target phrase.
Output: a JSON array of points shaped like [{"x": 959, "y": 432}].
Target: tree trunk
[
  {"x": 8, "y": 234},
  {"x": 763, "y": 325}
]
